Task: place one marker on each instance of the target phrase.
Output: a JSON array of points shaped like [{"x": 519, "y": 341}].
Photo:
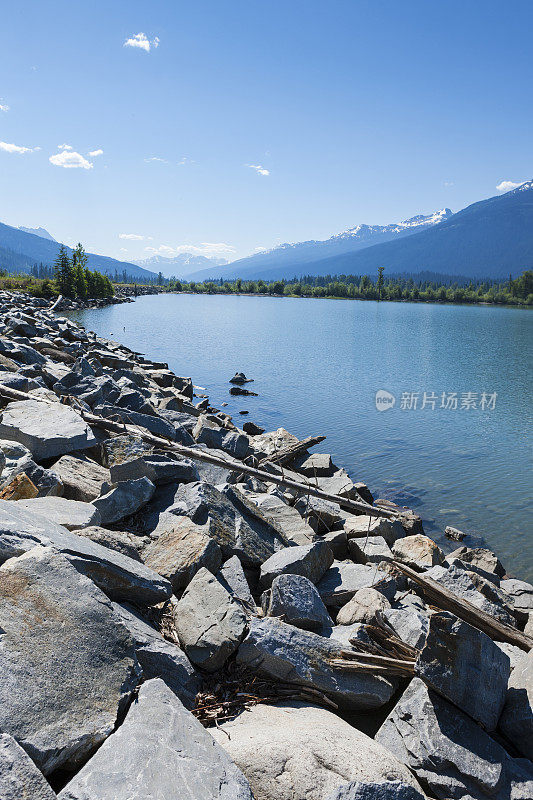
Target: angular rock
[
  {"x": 180, "y": 549},
  {"x": 121, "y": 578},
  {"x": 61, "y": 644},
  {"x": 235, "y": 523},
  {"x": 285, "y": 517},
  {"x": 286, "y": 653},
  {"x": 521, "y": 594},
  {"x": 152, "y": 423},
  {"x": 313, "y": 465},
  {"x": 232, "y": 577},
  {"x": 296, "y": 600},
  {"x": 82, "y": 478},
  {"x": 212, "y": 435},
  {"x": 343, "y": 579},
  {"x": 297, "y": 751},
  {"x": 157, "y": 467},
  {"x": 340, "y": 484},
  {"x": 310, "y": 560},
  {"x": 71, "y": 514},
  {"x": 345, "y": 633},
  {"x": 209, "y": 622},
  {"x": 449, "y": 752},
  {"x": 158, "y": 657},
  {"x": 46, "y": 429},
  {"x": 361, "y": 526},
  {"x": 410, "y": 625},
  {"x": 320, "y": 514},
  {"x": 125, "y": 447},
  {"x": 120, "y": 541},
  {"x": 516, "y": 720},
  {"x": 363, "y": 607},
  {"x": 162, "y": 752},
  {"x": 338, "y": 542},
  {"x": 124, "y": 499},
  {"x": 19, "y": 777},
  {"x": 418, "y": 552},
  {"x": 268, "y": 444},
  {"x": 386, "y": 790},
  {"x": 465, "y": 666},
  {"x": 460, "y": 582},
  {"x": 479, "y": 558},
  {"x": 370, "y": 550}
]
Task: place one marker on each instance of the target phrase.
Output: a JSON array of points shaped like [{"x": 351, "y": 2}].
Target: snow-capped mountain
[
  {"x": 288, "y": 260},
  {"x": 181, "y": 264},
  {"x": 42, "y": 232}
]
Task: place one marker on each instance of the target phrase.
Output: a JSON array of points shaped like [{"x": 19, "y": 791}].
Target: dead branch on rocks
[
  {"x": 197, "y": 454},
  {"x": 448, "y": 601},
  {"x": 386, "y": 654},
  {"x": 286, "y": 454}
]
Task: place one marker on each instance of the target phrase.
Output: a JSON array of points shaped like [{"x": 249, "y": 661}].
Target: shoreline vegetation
[
  {"x": 70, "y": 277},
  {"x": 183, "y": 596}
]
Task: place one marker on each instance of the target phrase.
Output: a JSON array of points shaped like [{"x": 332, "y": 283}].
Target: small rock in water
[
  {"x": 241, "y": 391},
  {"x": 239, "y": 378}
]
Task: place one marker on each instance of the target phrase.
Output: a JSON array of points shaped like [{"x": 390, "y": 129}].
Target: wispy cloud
[
  {"x": 3, "y": 107},
  {"x": 203, "y": 249},
  {"x": 157, "y": 159},
  {"x": 94, "y": 153},
  {"x": 65, "y": 147},
  {"x": 259, "y": 249},
  {"x": 17, "y": 148},
  {"x": 259, "y": 169},
  {"x": 134, "y": 237},
  {"x": 142, "y": 42},
  {"x": 69, "y": 159},
  {"x": 448, "y": 184},
  {"x": 506, "y": 186}
]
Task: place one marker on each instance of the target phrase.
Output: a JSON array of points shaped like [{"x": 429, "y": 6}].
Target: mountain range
[
  {"x": 491, "y": 239},
  {"x": 21, "y": 248},
  {"x": 179, "y": 264}
]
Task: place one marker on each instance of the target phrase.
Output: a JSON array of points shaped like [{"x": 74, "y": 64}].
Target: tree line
[
  {"x": 73, "y": 279},
  {"x": 509, "y": 292}
]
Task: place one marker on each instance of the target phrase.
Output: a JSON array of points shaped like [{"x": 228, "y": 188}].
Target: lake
[{"x": 453, "y": 446}]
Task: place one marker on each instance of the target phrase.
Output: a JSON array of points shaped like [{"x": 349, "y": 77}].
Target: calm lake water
[{"x": 317, "y": 366}]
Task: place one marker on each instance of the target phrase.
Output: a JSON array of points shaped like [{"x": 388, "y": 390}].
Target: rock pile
[{"x": 177, "y": 627}]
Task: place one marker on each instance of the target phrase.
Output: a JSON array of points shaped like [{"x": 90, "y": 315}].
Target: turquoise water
[{"x": 317, "y": 366}]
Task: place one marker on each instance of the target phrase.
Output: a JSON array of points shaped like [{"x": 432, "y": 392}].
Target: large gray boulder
[
  {"x": 297, "y": 751},
  {"x": 285, "y": 517},
  {"x": 386, "y": 790},
  {"x": 360, "y": 526},
  {"x": 464, "y": 665},
  {"x": 19, "y": 777},
  {"x": 363, "y": 607},
  {"x": 344, "y": 578},
  {"x": 71, "y": 514},
  {"x": 296, "y": 600},
  {"x": 157, "y": 467},
  {"x": 321, "y": 515},
  {"x": 516, "y": 720},
  {"x": 369, "y": 550},
  {"x": 209, "y": 622},
  {"x": 46, "y": 429},
  {"x": 417, "y": 551},
  {"x": 180, "y": 550},
  {"x": 120, "y": 577},
  {"x": 410, "y": 625},
  {"x": 162, "y": 752},
  {"x": 235, "y": 523},
  {"x": 521, "y": 594},
  {"x": 286, "y": 653},
  {"x": 60, "y": 643},
  {"x": 121, "y": 541},
  {"x": 158, "y": 657},
  {"x": 479, "y": 558},
  {"x": 234, "y": 580},
  {"x": 209, "y": 433},
  {"x": 82, "y": 478},
  {"x": 460, "y": 582},
  {"x": 449, "y": 752},
  {"x": 124, "y": 499},
  {"x": 310, "y": 560}
]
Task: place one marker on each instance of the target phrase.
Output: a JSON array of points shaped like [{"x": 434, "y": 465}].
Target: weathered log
[
  {"x": 196, "y": 454},
  {"x": 449, "y": 601},
  {"x": 288, "y": 453}
]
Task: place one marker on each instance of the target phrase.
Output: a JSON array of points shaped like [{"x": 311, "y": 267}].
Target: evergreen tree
[
  {"x": 380, "y": 281},
  {"x": 63, "y": 273},
  {"x": 79, "y": 266}
]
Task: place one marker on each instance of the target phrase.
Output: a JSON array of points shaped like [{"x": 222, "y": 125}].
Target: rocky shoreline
[{"x": 190, "y": 609}]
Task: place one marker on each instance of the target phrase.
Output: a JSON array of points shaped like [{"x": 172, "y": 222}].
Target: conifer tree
[{"x": 63, "y": 273}]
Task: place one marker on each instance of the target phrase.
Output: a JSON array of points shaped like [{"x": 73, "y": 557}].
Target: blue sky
[{"x": 273, "y": 121}]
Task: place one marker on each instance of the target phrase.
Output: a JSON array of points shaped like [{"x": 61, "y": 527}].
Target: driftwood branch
[
  {"x": 286, "y": 454},
  {"x": 449, "y": 601},
  {"x": 196, "y": 454}
]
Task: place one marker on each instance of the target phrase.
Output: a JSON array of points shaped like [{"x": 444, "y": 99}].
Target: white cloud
[
  {"x": 16, "y": 148},
  {"x": 123, "y": 249},
  {"x": 259, "y": 249},
  {"x": 69, "y": 159},
  {"x": 203, "y": 249},
  {"x": 142, "y": 41},
  {"x": 65, "y": 147},
  {"x": 506, "y": 186},
  {"x": 135, "y": 237},
  {"x": 448, "y": 184},
  {"x": 4, "y": 107},
  {"x": 156, "y": 158},
  {"x": 95, "y": 153},
  {"x": 259, "y": 169}
]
